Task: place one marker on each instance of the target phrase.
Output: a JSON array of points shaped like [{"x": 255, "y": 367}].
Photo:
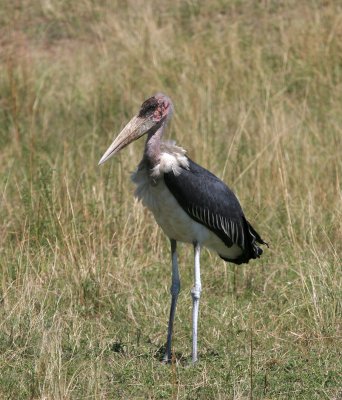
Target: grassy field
[{"x": 85, "y": 271}]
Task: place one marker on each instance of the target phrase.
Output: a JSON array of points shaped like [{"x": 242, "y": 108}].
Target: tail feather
[
  {"x": 255, "y": 239},
  {"x": 251, "y": 249},
  {"x": 256, "y": 234}
]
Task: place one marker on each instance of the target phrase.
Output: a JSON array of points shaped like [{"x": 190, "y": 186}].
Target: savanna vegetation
[{"x": 85, "y": 271}]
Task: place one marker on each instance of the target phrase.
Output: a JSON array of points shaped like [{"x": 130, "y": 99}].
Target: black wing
[{"x": 210, "y": 202}]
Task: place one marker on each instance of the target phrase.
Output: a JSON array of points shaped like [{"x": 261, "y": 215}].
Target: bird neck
[{"x": 152, "y": 146}]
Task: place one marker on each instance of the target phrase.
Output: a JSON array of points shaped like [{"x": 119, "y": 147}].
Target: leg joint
[{"x": 196, "y": 292}]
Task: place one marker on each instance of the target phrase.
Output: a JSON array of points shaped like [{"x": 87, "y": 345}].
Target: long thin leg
[
  {"x": 196, "y": 294},
  {"x": 175, "y": 288}
]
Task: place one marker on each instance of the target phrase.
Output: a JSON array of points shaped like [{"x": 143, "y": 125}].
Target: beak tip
[
  {"x": 132, "y": 131},
  {"x": 103, "y": 159}
]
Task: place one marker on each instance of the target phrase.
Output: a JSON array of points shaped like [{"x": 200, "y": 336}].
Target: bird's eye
[{"x": 148, "y": 107}]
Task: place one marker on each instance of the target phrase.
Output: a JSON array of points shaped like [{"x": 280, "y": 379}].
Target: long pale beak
[{"x": 136, "y": 127}]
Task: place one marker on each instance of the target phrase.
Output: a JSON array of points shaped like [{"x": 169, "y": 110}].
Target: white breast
[{"x": 174, "y": 221}]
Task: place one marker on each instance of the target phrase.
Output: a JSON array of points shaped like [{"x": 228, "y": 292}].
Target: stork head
[{"x": 153, "y": 113}]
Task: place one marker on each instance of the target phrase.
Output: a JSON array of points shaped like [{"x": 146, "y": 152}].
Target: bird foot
[{"x": 166, "y": 359}]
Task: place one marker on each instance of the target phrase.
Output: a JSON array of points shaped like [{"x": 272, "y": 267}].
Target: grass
[{"x": 85, "y": 270}]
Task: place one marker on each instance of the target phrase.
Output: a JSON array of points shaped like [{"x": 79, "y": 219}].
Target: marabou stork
[{"x": 189, "y": 203}]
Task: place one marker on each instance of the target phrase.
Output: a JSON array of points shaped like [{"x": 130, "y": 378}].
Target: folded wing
[{"x": 209, "y": 201}]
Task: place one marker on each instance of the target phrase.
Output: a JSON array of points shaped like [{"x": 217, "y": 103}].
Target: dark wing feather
[{"x": 209, "y": 201}]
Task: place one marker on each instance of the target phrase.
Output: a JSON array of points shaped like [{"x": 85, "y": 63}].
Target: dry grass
[{"x": 84, "y": 269}]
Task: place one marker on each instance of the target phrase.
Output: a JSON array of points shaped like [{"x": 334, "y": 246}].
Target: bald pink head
[
  {"x": 152, "y": 117},
  {"x": 157, "y": 107}
]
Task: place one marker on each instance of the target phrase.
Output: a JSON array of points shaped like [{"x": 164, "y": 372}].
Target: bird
[{"x": 188, "y": 202}]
